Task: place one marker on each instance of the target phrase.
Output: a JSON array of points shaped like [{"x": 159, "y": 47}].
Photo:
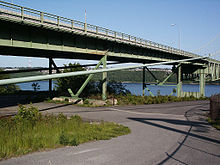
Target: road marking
[
  {"x": 85, "y": 151},
  {"x": 145, "y": 113}
]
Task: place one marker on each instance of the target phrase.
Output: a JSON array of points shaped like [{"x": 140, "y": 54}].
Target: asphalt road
[{"x": 173, "y": 133}]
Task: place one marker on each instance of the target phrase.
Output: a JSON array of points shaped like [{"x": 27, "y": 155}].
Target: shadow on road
[
  {"x": 54, "y": 107},
  {"x": 179, "y": 122},
  {"x": 25, "y": 97},
  {"x": 198, "y": 125}
]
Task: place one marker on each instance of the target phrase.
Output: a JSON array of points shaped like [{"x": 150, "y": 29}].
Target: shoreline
[{"x": 169, "y": 83}]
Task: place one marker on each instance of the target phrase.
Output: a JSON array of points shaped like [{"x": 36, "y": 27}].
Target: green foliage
[
  {"x": 113, "y": 88},
  {"x": 35, "y": 86},
  {"x": 74, "y": 83},
  {"x": 134, "y": 76},
  {"x": 135, "y": 100},
  {"x": 20, "y": 136},
  {"x": 7, "y": 89},
  {"x": 214, "y": 123},
  {"x": 28, "y": 112},
  {"x": 63, "y": 139}
]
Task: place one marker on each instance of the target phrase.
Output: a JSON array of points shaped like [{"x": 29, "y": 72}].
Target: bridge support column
[
  {"x": 144, "y": 80},
  {"x": 104, "y": 79},
  {"x": 179, "y": 81},
  {"x": 50, "y": 80},
  {"x": 202, "y": 82}
]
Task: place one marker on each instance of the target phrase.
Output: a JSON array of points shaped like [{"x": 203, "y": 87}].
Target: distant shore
[{"x": 172, "y": 83}]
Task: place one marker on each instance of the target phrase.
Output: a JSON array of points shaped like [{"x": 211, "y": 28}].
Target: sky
[{"x": 197, "y": 21}]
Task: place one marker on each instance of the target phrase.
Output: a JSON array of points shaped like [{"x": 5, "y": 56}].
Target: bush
[
  {"x": 28, "y": 112},
  {"x": 135, "y": 100},
  {"x": 74, "y": 82},
  {"x": 7, "y": 89}
]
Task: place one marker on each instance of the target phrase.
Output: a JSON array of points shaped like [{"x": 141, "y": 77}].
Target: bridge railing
[{"x": 35, "y": 16}]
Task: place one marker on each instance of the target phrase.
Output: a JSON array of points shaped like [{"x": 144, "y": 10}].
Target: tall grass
[{"x": 30, "y": 131}]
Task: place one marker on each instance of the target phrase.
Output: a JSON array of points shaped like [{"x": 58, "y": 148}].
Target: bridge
[{"x": 32, "y": 33}]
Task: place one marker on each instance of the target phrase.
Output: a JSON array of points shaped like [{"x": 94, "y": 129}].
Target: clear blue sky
[{"x": 198, "y": 20}]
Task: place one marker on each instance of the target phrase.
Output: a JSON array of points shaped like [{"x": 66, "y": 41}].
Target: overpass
[{"x": 32, "y": 33}]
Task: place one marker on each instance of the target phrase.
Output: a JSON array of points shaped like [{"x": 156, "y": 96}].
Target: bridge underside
[
  {"x": 19, "y": 37},
  {"x": 26, "y": 40}
]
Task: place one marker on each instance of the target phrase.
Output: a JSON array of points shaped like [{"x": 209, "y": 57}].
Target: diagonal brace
[
  {"x": 86, "y": 81},
  {"x": 55, "y": 66},
  {"x": 152, "y": 75},
  {"x": 161, "y": 83}
]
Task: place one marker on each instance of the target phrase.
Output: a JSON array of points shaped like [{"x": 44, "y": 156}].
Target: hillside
[{"x": 135, "y": 76}]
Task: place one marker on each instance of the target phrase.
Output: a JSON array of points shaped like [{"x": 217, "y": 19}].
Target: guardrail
[{"x": 35, "y": 16}]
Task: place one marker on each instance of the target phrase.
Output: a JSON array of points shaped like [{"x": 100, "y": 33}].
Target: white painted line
[
  {"x": 85, "y": 151},
  {"x": 147, "y": 113}
]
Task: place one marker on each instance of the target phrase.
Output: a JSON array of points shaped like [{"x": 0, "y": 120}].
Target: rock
[
  {"x": 76, "y": 101},
  {"x": 112, "y": 101},
  {"x": 97, "y": 102},
  {"x": 58, "y": 99}
]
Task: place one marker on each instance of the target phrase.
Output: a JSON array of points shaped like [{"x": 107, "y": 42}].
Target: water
[{"x": 136, "y": 88}]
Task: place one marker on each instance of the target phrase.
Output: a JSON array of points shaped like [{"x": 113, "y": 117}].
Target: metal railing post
[
  {"x": 41, "y": 17},
  {"x": 96, "y": 29},
  {"x": 85, "y": 27},
  {"x": 58, "y": 20},
  {"x": 72, "y": 24},
  {"x": 22, "y": 13}
]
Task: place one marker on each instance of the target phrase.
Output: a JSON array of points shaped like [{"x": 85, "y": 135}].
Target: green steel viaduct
[{"x": 32, "y": 33}]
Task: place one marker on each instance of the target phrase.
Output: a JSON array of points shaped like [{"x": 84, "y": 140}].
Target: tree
[
  {"x": 74, "y": 83},
  {"x": 35, "y": 86},
  {"x": 113, "y": 87},
  {"x": 7, "y": 89}
]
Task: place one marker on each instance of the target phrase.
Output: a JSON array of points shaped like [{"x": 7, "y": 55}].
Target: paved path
[{"x": 173, "y": 133}]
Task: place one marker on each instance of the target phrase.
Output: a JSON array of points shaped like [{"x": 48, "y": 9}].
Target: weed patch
[
  {"x": 30, "y": 131},
  {"x": 137, "y": 100},
  {"x": 214, "y": 123}
]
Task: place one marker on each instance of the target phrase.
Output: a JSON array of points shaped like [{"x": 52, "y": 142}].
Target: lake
[{"x": 136, "y": 88}]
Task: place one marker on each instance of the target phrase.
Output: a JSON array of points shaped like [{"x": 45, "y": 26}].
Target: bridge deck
[{"x": 95, "y": 40}]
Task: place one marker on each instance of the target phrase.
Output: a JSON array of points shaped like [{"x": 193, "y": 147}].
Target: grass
[
  {"x": 214, "y": 123},
  {"x": 137, "y": 100},
  {"x": 30, "y": 131}
]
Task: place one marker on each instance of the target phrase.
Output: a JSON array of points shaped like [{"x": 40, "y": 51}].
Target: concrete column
[
  {"x": 104, "y": 79},
  {"x": 217, "y": 69},
  {"x": 50, "y": 72},
  {"x": 144, "y": 80},
  {"x": 179, "y": 81},
  {"x": 202, "y": 82}
]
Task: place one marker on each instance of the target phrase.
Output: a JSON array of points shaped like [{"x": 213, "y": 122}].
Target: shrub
[
  {"x": 64, "y": 140},
  {"x": 7, "y": 89},
  {"x": 74, "y": 82},
  {"x": 28, "y": 112},
  {"x": 134, "y": 100}
]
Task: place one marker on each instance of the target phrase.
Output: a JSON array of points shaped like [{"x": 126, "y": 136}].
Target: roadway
[{"x": 173, "y": 133}]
